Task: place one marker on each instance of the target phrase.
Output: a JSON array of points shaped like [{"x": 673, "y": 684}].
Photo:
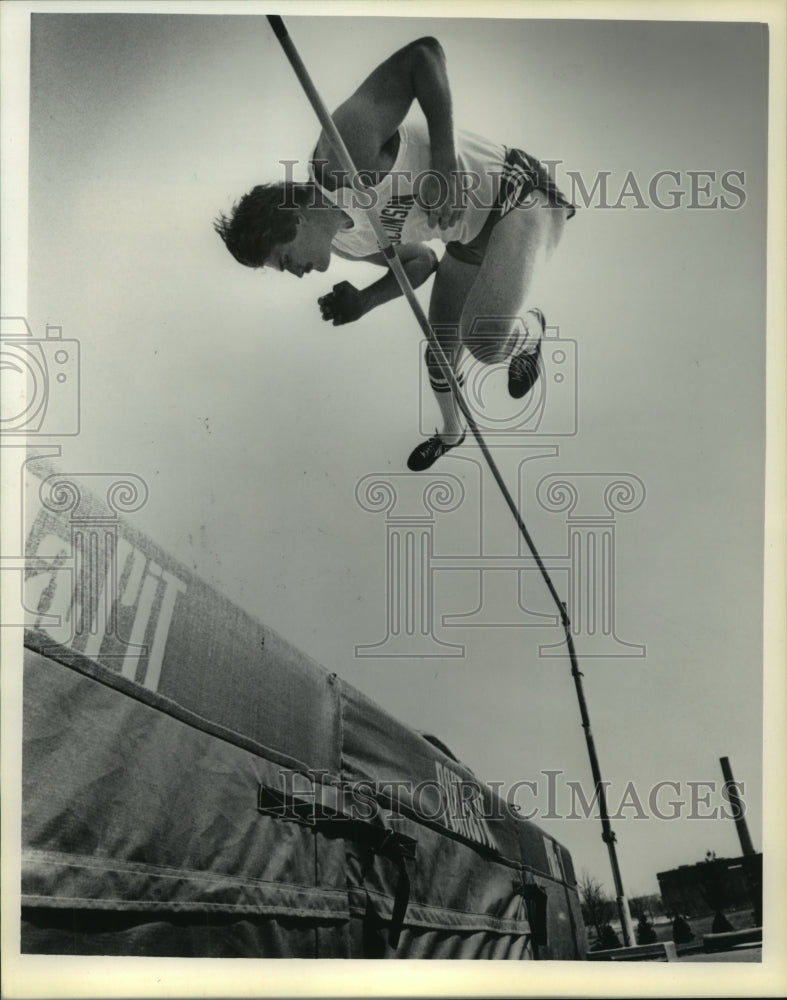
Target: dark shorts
[{"x": 522, "y": 174}]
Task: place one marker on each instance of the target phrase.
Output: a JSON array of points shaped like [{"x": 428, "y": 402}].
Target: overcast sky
[{"x": 252, "y": 422}]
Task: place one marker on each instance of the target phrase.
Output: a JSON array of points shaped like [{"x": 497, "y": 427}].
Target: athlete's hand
[
  {"x": 341, "y": 305},
  {"x": 441, "y": 194}
]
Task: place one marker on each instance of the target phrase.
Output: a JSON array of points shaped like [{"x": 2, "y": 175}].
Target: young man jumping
[{"x": 495, "y": 208}]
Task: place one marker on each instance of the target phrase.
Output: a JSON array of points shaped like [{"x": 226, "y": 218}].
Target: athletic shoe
[
  {"x": 427, "y": 453},
  {"x": 524, "y": 368}
]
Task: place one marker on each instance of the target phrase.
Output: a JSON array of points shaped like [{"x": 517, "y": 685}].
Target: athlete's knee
[
  {"x": 557, "y": 220},
  {"x": 491, "y": 339}
]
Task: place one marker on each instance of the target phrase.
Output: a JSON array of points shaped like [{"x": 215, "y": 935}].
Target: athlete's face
[{"x": 311, "y": 248}]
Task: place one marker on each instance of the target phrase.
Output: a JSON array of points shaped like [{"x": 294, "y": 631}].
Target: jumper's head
[{"x": 284, "y": 226}]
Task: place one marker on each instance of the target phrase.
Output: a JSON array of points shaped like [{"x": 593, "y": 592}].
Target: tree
[
  {"x": 720, "y": 923},
  {"x": 609, "y": 938},
  {"x": 650, "y": 905},
  {"x": 645, "y": 931},
  {"x": 597, "y": 908},
  {"x": 681, "y": 930}
]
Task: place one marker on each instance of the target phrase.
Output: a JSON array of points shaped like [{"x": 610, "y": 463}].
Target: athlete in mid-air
[{"x": 495, "y": 208}]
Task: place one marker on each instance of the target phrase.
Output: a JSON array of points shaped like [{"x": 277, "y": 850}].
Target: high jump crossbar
[{"x": 346, "y": 161}]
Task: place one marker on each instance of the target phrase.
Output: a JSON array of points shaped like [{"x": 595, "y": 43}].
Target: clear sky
[{"x": 252, "y": 422}]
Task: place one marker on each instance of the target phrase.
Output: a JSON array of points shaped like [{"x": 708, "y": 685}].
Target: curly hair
[{"x": 262, "y": 219}]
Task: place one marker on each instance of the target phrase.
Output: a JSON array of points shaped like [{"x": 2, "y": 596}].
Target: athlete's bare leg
[
  {"x": 481, "y": 301},
  {"x": 478, "y": 308},
  {"x": 518, "y": 247}
]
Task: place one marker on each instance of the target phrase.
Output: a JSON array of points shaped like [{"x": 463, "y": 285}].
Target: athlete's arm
[
  {"x": 345, "y": 303},
  {"x": 371, "y": 116}
]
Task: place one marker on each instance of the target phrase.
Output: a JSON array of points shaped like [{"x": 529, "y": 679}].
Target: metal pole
[
  {"x": 607, "y": 833},
  {"x": 346, "y": 162}
]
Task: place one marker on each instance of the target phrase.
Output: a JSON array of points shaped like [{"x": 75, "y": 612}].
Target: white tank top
[{"x": 403, "y": 219}]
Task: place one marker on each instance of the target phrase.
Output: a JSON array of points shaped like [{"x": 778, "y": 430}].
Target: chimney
[{"x": 737, "y": 807}]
